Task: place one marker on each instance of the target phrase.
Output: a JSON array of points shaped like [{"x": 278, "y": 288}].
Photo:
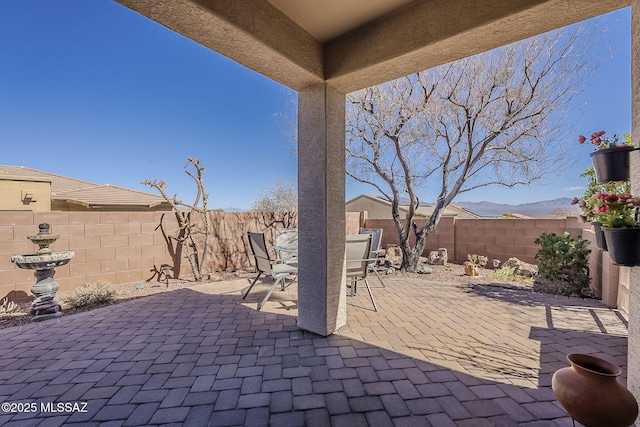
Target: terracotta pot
[
  {"x": 623, "y": 245},
  {"x": 612, "y": 164},
  {"x": 590, "y": 393}
]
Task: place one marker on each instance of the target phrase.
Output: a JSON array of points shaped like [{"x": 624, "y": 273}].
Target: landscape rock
[
  {"x": 425, "y": 270},
  {"x": 470, "y": 269},
  {"x": 439, "y": 257},
  {"x": 393, "y": 255},
  {"x": 521, "y": 268}
]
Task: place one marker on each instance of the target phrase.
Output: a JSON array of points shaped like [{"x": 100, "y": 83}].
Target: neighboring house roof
[
  {"x": 88, "y": 194},
  {"x": 423, "y": 211}
]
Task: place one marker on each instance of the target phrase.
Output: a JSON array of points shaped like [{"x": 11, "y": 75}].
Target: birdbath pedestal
[{"x": 45, "y": 305}]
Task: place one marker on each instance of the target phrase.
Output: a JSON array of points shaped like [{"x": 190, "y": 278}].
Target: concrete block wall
[
  {"x": 493, "y": 238},
  {"x": 505, "y": 238},
  {"x": 119, "y": 247},
  {"x": 442, "y": 237},
  {"x": 115, "y": 247},
  {"x": 595, "y": 263}
]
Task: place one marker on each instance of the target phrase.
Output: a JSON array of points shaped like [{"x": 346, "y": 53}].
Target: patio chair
[
  {"x": 286, "y": 245},
  {"x": 376, "y": 242},
  {"x": 267, "y": 266},
  {"x": 358, "y": 248}
]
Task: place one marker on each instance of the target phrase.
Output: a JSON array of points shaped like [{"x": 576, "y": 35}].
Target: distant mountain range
[{"x": 542, "y": 209}]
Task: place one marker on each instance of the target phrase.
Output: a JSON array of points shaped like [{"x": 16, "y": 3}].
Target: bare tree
[
  {"x": 192, "y": 235},
  {"x": 497, "y": 118},
  {"x": 281, "y": 197}
]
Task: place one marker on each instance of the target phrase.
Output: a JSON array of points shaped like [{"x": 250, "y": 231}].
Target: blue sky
[{"x": 94, "y": 91}]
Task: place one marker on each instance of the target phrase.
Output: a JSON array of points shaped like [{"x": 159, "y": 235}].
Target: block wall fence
[
  {"x": 493, "y": 238},
  {"x": 119, "y": 247}
]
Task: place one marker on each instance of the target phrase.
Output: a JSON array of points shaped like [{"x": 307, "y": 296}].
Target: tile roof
[
  {"x": 424, "y": 210},
  {"x": 85, "y": 193}
]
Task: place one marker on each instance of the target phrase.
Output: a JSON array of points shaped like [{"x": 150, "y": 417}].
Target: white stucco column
[
  {"x": 633, "y": 369},
  {"x": 321, "y": 221}
]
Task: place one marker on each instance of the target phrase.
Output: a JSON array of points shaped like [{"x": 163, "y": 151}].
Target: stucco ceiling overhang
[{"x": 301, "y": 42}]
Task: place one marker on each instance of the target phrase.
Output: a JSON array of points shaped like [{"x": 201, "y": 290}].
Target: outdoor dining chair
[
  {"x": 358, "y": 248},
  {"x": 267, "y": 266},
  {"x": 376, "y": 242}
]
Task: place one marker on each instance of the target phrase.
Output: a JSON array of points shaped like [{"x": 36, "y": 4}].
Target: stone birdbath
[{"x": 45, "y": 305}]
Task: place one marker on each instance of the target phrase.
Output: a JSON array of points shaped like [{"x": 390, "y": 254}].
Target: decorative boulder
[
  {"x": 521, "y": 268},
  {"x": 470, "y": 269},
  {"x": 425, "y": 270},
  {"x": 439, "y": 257},
  {"x": 393, "y": 256}
]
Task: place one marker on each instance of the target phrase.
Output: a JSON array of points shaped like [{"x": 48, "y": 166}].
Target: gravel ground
[{"x": 451, "y": 273}]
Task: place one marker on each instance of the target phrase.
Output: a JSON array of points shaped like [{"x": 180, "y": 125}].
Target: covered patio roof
[{"x": 352, "y": 44}]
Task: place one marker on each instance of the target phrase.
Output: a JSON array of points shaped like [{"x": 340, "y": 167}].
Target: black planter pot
[
  {"x": 624, "y": 245},
  {"x": 601, "y": 242},
  {"x": 612, "y": 164}
]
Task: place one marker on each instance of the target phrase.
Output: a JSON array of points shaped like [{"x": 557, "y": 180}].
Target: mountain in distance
[{"x": 543, "y": 209}]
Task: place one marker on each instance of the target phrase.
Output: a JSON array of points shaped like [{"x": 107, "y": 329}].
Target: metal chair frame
[
  {"x": 358, "y": 248},
  {"x": 376, "y": 242},
  {"x": 267, "y": 266}
]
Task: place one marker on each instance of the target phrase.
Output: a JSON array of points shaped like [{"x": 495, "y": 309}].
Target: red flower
[{"x": 581, "y": 139}]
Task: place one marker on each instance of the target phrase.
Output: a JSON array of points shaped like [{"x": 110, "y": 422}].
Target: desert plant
[
  {"x": 478, "y": 260},
  {"x": 7, "y": 307},
  {"x": 90, "y": 295},
  {"x": 189, "y": 229},
  {"x": 563, "y": 264},
  {"x": 507, "y": 273}
]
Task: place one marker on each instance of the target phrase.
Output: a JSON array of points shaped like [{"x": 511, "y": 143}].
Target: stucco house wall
[{"x": 22, "y": 193}]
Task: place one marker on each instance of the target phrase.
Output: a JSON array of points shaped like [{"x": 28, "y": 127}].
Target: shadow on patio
[{"x": 435, "y": 354}]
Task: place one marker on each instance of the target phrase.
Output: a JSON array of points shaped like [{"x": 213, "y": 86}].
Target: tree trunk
[{"x": 411, "y": 255}]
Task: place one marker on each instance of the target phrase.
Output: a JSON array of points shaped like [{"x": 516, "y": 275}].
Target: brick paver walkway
[{"x": 434, "y": 354}]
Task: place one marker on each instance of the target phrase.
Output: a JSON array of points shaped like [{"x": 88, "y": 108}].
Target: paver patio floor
[{"x": 434, "y": 354}]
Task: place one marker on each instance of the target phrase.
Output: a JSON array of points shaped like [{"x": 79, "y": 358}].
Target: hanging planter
[
  {"x": 612, "y": 164},
  {"x": 601, "y": 242},
  {"x": 623, "y": 245}
]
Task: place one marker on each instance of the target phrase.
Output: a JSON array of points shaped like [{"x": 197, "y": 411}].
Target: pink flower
[
  {"x": 575, "y": 201},
  {"x": 603, "y": 209},
  {"x": 581, "y": 139}
]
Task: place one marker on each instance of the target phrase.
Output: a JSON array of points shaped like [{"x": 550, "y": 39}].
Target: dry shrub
[
  {"x": 507, "y": 273},
  {"x": 91, "y": 295},
  {"x": 7, "y": 307}
]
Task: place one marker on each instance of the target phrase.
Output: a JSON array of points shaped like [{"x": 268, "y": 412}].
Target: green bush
[
  {"x": 564, "y": 265},
  {"x": 89, "y": 296}
]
